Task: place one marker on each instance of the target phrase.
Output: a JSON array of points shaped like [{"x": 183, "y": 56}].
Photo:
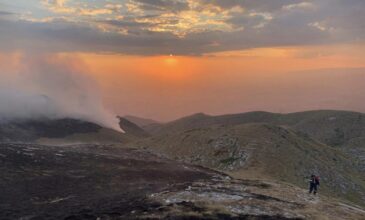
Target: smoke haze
[{"x": 51, "y": 87}]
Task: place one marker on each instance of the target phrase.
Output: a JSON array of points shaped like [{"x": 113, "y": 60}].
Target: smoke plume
[{"x": 51, "y": 87}]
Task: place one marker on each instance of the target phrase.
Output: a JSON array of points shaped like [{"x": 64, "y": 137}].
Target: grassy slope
[
  {"x": 264, "y": 150},
  {"x": 340, "y": 129}
]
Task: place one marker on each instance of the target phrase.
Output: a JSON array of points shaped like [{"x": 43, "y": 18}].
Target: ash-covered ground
[{"x": 83, "y": 181}]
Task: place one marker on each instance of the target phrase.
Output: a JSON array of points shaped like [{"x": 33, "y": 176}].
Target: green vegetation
[{"x": 228, "y": 161}]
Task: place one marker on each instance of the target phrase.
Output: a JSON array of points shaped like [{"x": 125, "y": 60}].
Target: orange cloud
[{"x": 61, "y": 7}]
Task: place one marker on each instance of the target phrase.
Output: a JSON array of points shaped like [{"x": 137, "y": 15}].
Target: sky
[{"x": 166, "y": 59}]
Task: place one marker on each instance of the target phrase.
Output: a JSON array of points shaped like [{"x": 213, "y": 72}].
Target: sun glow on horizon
[
  {"x": 176, "y": 81},
  {"x": 179, "y": 70},
  {"x": 171, "y": 60}
]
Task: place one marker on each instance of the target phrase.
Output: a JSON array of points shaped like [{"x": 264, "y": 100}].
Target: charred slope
[
  {"x": 265, "y": 150},
  {"x": 68, "y": 131},
  {"x": 79, "y": 182},
  {"x": 31, "y": 130}
]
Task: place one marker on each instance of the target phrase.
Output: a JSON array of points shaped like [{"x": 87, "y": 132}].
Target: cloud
[
  {"x": 184, "y": 27},
  {"x": 302, "y": 5},
  {"x": 161, "y": 5},
  {"x": 318, "y": 25},
  {"x": 94, "y": 12},
  {"x": 58, "y": 6},
  {"x": 62, "y": 7},
  {"x": 257, "y": 5},
  {"x": 5, "y": 13}
]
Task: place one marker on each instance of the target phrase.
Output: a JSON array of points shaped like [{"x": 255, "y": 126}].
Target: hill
[
  {"x": 328, "y": 126},
  {"x": 131, "y": 128},
  {"x": 66, "y": 131},
  {"x": 340, "y": 129},
  {"x": 139, "y": 121},
  {"x": 261, "y": 150}
]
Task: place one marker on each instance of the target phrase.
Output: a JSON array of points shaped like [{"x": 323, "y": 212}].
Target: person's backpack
[{"x": 316, "y": 178}]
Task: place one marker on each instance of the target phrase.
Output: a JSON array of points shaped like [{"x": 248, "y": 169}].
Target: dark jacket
[{"x": 314, "y": 180}]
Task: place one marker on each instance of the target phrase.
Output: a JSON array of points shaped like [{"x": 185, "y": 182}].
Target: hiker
[{"x": 313, "y": 183}]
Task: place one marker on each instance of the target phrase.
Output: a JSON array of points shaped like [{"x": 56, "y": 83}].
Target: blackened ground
[
  {"x": 31, "y": 130},
  {"x": 82, "y": 182}
]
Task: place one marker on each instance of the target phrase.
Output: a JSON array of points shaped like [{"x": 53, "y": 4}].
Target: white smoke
[{"x": 52, "y": 87}]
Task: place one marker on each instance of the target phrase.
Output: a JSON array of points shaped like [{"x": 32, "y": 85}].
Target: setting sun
[{"x": 171, "y": 60}]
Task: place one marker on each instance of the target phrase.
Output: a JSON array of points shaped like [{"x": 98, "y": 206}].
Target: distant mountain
[
  {"x": 141, "y": 122},
  {"x": 331, "y": 127},
  {"x": 131, "y": 128}
]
